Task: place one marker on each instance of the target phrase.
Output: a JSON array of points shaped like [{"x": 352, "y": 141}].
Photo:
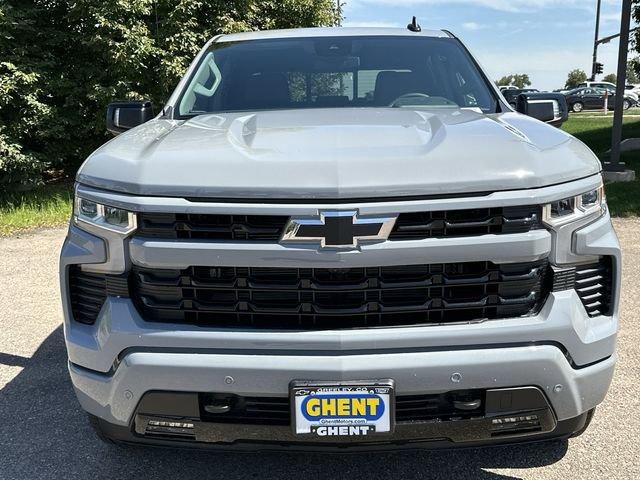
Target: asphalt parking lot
[{"x": 43, "y": 433}]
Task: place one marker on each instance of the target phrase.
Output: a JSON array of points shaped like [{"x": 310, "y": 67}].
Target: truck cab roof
[{"x": 329, "y": 32}]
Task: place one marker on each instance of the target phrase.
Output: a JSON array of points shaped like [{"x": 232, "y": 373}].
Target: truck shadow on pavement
[{"x": 44, "y": 434}]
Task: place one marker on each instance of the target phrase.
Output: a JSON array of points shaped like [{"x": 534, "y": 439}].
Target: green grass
[
  {"x": 46, "y": 206},
  {"x": 596, "y": 132},
  {"x": 623, "y": 198}
]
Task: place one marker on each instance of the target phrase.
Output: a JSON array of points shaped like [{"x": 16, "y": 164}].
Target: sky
[{"x": 543, "y": 38}]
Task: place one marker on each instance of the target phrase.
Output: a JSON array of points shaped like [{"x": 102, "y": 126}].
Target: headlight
[
  {"x": 103, "y": 216},
  {"x": 589, "y": 204}
]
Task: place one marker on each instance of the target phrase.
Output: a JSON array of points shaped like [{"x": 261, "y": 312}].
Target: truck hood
[{"x": 337, "y": 154}]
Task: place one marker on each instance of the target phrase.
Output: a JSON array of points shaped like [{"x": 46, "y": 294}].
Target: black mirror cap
[
  {"x": 551, "y": 108},
  {"x": 123, "y": 116}
]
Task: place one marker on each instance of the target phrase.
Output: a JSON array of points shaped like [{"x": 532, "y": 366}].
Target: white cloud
[
  {"x": 503, "y": 5},
  {"x": 505, "y": 28},
  {"x": 473, "y": 26}
]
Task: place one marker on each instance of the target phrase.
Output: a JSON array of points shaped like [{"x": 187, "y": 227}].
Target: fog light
[
  {"x": 156, "y": 423},
  {"x": 170, "y": 428},
  {"x": 513, "y": 423}
]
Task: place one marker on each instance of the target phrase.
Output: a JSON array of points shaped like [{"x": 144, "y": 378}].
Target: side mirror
[
  {"x": 551, "y": 108},
  {"x": 122, "y": 116}
]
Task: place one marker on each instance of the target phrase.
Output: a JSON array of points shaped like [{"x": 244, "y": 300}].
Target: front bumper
[
  {"x": 174, "y": 419},
  {"x": 570, "y": 391},
  {"x": 562, "y": 351}
]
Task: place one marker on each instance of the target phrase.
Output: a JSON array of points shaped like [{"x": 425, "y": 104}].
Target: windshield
[{"x": 336, "y": 72}]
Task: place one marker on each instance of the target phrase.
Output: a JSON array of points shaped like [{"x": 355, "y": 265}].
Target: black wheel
[
  {"x": 587, "y": 422},
  {"x": 577, "y": 107},
  {"x": 626, "y": 104}
]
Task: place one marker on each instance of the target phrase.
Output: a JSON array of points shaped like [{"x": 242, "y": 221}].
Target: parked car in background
[
  {"x": 597, "y": 85},
  {"x": 611, "y": 88},
  {"x": 511, "y": 95},
  {"x": 633, "y": 89},
  {"x": 507, "y": 87},
  {"x": 581, "y": 99}
]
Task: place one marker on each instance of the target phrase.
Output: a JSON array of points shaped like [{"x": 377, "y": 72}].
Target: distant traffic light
[{"x": 598, "y": 68}]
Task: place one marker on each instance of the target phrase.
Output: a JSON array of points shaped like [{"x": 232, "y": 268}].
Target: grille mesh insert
[
  {"x": 459, "y": 223},
  {"x": 409, "y": 226},
  {"x": 88, "y": 294},
  {"x": 89, "y": 291},
  {"x": 305, "y": 298},
  {"x": 211, "y": 227},
  {"x": 593, "y": 284},
  {"x": 277, "y": 410}
]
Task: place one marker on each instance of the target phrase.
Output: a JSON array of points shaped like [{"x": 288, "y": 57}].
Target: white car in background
[{"x": 633, "y": 90}]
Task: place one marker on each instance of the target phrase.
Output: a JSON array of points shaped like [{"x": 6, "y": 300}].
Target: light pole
[
  {"x": 595, "y": 43},
  {"x": 339, "y": 10},
  {"x": 614, "y": 164}
]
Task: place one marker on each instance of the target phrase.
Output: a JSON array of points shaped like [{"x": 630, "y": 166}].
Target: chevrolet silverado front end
[{"x": 339, "y": 237}]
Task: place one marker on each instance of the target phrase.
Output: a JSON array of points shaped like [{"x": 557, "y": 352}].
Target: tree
[
  {"x": 612, "y": 78},
  {"x": 633, "y": 66},
  {"x": 519, "y": 80},
  {"x": 63, "y": 61},
  {"x": 23, "y": 105},
  {"x": 575, "y": 78}
]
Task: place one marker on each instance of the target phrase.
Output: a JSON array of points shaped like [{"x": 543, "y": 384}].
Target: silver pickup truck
[{"x": 336, "y": 238}]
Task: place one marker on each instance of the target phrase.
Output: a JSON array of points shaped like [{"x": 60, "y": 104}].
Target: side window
[
  {"x": 335, "y": 85},
  {"x": 297, "y": 87},
  {"x": 321, "y": 88},
  {"x": 367, "y": 82}
]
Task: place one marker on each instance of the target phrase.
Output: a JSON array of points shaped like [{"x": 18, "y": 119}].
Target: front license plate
[{"x": 349, "y": 409}]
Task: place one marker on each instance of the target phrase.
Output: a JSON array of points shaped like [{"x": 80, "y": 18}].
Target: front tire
[
  {"x": 577, "y": 107},
  {"x": 626, "y": 104}
]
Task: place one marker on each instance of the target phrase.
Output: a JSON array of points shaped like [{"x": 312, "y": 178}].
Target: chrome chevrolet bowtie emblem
[{"x": 338, "y": 229}]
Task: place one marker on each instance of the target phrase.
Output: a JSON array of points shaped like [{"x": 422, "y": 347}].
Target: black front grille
[
  {"x": 459, "y": 223},
  {"x": 277, "y": 410},
  {"x": 88, "y": 294},
  {"x": 593, "y": 282},
  {"x": 322, "y": 298},
  {"x": 211, "y": 227},
  {"x": 409, "y": 226}
]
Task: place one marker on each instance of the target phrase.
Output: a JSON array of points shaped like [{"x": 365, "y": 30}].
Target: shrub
[{"x": 63, "y": 61}]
